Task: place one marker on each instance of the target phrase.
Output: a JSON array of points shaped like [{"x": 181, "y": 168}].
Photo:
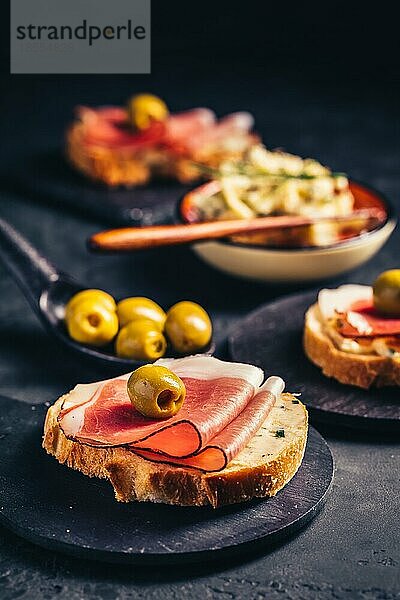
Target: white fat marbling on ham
[
  {"x": 359, "y": 323},
  {"x": 340, "y": 300},
  {"x": 208, "y": 367}
]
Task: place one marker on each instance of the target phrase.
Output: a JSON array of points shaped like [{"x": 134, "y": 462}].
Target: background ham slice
[
  {"x": 233, "y": 126},
  {"x": 107, "y": 126},
  {"x": 217, "y": 393},
  {"x": 333, "y": 301},
  {"x": 369, "y": 322},
  {"x": 358, "y": 317},
  {"x": 182, "y": 126},
  {"x": 182, "y": 133}
]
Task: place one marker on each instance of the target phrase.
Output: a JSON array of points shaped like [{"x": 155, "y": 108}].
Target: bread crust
[
  {"x": 102, "y": 164},
  {"x": 361, "y": 370},
  {"x": 135, "y": 478}
]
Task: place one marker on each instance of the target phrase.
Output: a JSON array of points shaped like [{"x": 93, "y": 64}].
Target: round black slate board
[
  {"x": 271, "y": 337},
  {"x": 48, "y": 178},
  {"x": 58, "y": 508}
]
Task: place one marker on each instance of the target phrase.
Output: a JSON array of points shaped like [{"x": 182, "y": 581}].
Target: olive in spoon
[{"x": 48, "y": 290}]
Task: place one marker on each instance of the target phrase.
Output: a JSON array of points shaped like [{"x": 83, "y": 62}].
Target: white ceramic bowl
[{"x": 275, "y": 265}]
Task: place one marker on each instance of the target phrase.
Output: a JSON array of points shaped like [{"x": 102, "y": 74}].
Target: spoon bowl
[
  {"x": 52, "y": 312},
  {"x": 48, "y": 291}
]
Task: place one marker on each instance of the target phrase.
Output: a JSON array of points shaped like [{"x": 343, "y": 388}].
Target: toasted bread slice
[
  {"x": 99, "y": 163},
  {"x": 361, "y": 370},
  {"x": 267, "y": 463}
]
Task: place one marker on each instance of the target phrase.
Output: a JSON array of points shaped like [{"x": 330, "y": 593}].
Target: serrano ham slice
[
  {"x": 339, "y": 300},
  {"x": 227, "y": 444},
  {"x": 233, "y": 126},
  {"x": 363, "y": 320},
  {"x": 181, "y": 133},
  {"x": 358, "y": 317},
  {"x": 106, "y": 126},
  {"x": 224, "y": 407},
  {"x": 181, "y": 126}
]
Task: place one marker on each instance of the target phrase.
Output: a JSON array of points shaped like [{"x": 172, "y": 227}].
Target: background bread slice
[
  {"x": 102, "y": 164},
  {"x": 267, "y": 463},
  {"x": 355, "y": 369}
]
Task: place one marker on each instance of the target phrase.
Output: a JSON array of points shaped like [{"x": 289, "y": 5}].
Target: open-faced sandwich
[
  {"x": 129, "y": 146},
  {"x": 192, "y": 431},
  {"x": 353, "y": 332},
  {"x": 273, "y": 183}
]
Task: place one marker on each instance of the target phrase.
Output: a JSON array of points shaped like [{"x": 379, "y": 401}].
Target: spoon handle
[
  {"x": 138, "y": 238},
  {"x": 32, "y": 271}
]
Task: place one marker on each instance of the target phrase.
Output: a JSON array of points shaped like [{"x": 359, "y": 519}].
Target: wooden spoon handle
[{"x": 138, "y": 238}]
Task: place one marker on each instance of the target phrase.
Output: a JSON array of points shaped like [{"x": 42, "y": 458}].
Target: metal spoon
[{"x": 48, "y": 291}]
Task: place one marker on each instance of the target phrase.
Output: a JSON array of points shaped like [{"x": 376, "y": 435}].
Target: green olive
[
  {"x": 387, "y": 293},
  {"x": 90, "y": 294},
  {"x": 91, "y": 322},
  {"x": 156, "y": 392},
  {"x": 188, "y": 327},
  {"x": 132, "y": 309},
  {"x": 140, "y": 340},
  {"x": 143, "y": 109}
]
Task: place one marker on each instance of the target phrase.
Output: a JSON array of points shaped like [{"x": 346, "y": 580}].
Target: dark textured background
[{"x": 321, "y": 80}]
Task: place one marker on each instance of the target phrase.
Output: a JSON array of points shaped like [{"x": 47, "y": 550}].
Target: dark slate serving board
[
  {"x": 48, "y": 178},
  {"x": 58, "y": 508},
  {"x": 271, "y": 337}
]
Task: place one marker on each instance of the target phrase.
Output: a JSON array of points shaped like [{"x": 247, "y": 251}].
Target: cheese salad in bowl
[{"x": 273, "y": 183}]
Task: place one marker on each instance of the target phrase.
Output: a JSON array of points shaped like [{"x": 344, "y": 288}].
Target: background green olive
[
  {"x": 140, "y": 340},
  {"x": 156, "y": 391},
  {"x": 138, "y": 307},
  {"x": 143, "y": 109},
  {"x": 188, "y": 327},
  {"x": 387, "y": 293}
]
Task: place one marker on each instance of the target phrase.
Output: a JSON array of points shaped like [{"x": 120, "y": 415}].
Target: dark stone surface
[
  {"x": 351, "y": 549},
  {"x": 48, "y": 177}
]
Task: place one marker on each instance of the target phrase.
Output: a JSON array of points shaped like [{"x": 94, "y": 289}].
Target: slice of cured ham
[
  {"x": 227, "y": 444},
  {"x": 331, "y": 302},
  {"x": 181, "y": 133},
  {"x": 363, "y": 320},
  {"x": 224, "y": 406},
  {"x": 235, "y": 125},
  {"x": 181, "y": 126},
  {"x": 358, "y": 317},
  {"x": 106, "y": 126}
]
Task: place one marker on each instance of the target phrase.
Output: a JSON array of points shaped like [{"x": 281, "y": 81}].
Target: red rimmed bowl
[{"x": 284, "y": 265}]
